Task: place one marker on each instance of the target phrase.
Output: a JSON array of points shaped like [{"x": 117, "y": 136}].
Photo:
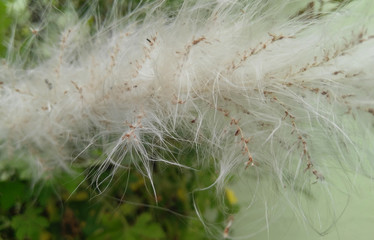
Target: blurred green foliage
[
  {"x": 68, "y": 206},
  {"x": 29, "y": 27},
  {"x": 5, "y": 23}
]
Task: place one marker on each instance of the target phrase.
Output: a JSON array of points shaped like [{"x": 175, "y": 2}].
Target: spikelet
[{"x": 276, "y": 92}]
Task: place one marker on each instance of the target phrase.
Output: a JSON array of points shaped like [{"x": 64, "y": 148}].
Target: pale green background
[{"x": 356, "y": 221}]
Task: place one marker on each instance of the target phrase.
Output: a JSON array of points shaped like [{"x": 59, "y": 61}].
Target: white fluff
[{"x": 264, "y": 92}]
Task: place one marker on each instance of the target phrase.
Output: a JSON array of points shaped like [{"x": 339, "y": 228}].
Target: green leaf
[
  {"x": 70, "y": 181},
  {"x": 10, "y": 193},
  {"x": 30, "y": 224},
  {"x": 144, "y": 227},
  {"x": 4, "y": 27}
]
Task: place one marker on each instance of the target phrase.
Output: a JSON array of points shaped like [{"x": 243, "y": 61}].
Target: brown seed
[{"x": 237, "y": 132}]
